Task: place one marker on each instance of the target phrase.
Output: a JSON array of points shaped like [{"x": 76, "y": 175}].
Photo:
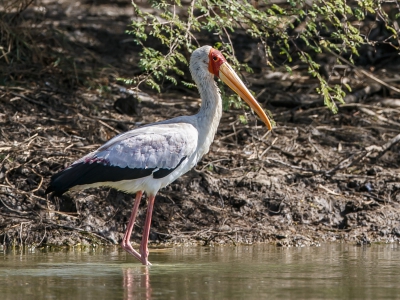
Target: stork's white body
[{"x": 191, "y": 138}]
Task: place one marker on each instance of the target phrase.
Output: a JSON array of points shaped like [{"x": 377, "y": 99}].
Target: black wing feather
[{"x": 87, "y": 173}]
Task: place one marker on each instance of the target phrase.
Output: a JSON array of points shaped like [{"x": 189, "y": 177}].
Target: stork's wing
[
  {"x": 152, "y": 150},
  {"x": 159, "y": 146}
]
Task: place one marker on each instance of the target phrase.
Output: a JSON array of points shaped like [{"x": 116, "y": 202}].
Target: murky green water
[{"x": 245, "y": 272}]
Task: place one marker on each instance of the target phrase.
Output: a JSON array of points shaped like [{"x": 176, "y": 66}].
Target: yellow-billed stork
[{"x": 149, "y": 158}]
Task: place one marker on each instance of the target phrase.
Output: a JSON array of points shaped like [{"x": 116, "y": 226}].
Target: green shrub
[{"x": 296, "y": 30}]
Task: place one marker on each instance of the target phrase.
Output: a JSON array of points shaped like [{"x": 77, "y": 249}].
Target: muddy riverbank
[{"x": 316, "y": 177}]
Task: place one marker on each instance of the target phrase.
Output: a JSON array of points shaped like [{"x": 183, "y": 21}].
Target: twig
[
  {"x": 356, "y": 96},
  {"x": 315, "y": 147},
  {"x": 80, "y": 230},
  {"x": 296, "y": 167},
  {"x": 11, "y": 209},
  {"x": 20, "y": 191},
  {"x": 370, "y": 106},
  {"x": 392, "y": 142},
  {"x": 234, "y": 133},
  {"x": 109, "y": 127},
  {"x": 11, "y": 227},
  {"x": 60, "y": 213},
  {"x": 114, "y": 120},
  {"x": 271, "y": 146},
  {"x": 382, "y": 150},
  {"x": 40, "y": 183},
  {"x": 44, "y": 235},
  {"x": 357, "y": 69},
  {"x": 343, "y": 164},
  {"x": 328, "y": 190},
  {"x": 6, "y": 157},
  {"x": 27, "y": 99},
  {"x": 372, "y": 113},
  {"x": 349, "y": 161},
  {"x": 213, "y": 162}
]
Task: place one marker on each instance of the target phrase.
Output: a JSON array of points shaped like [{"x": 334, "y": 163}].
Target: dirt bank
[{"x": 316, "y": 177}]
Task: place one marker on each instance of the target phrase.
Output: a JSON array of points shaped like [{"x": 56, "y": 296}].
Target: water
[{"x": 331, "y": 271}]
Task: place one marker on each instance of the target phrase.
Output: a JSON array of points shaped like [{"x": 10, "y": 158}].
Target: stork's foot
[
  {"x": 144, "y": 253},
  {"x": 128, "y": 248}
]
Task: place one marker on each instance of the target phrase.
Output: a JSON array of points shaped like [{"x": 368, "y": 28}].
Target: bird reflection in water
[{"x": 136, "y": 283}]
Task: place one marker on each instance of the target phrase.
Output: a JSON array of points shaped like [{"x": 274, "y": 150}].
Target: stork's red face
[
  {"x": 218, "y": 66},
  {"x": 215, "y": 62}
]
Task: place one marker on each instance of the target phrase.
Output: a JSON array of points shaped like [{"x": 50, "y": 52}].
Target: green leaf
[{"x": 287, "y": 35}]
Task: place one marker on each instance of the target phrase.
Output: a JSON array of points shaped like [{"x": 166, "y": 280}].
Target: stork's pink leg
[
  {"x": 126, "y": 244},
  {"x": 144, "y": 250}
]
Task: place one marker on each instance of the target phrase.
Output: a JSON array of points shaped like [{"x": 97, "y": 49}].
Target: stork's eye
[{"x": 215, "y": 58}]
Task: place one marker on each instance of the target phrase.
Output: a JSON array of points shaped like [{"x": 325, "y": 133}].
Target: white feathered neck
[{"x": 210, "y": 112}]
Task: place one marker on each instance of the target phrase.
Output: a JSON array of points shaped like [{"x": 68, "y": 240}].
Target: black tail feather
[
  {"x": 84, "y": 173},
  {"x": 88, "y": 173}
]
